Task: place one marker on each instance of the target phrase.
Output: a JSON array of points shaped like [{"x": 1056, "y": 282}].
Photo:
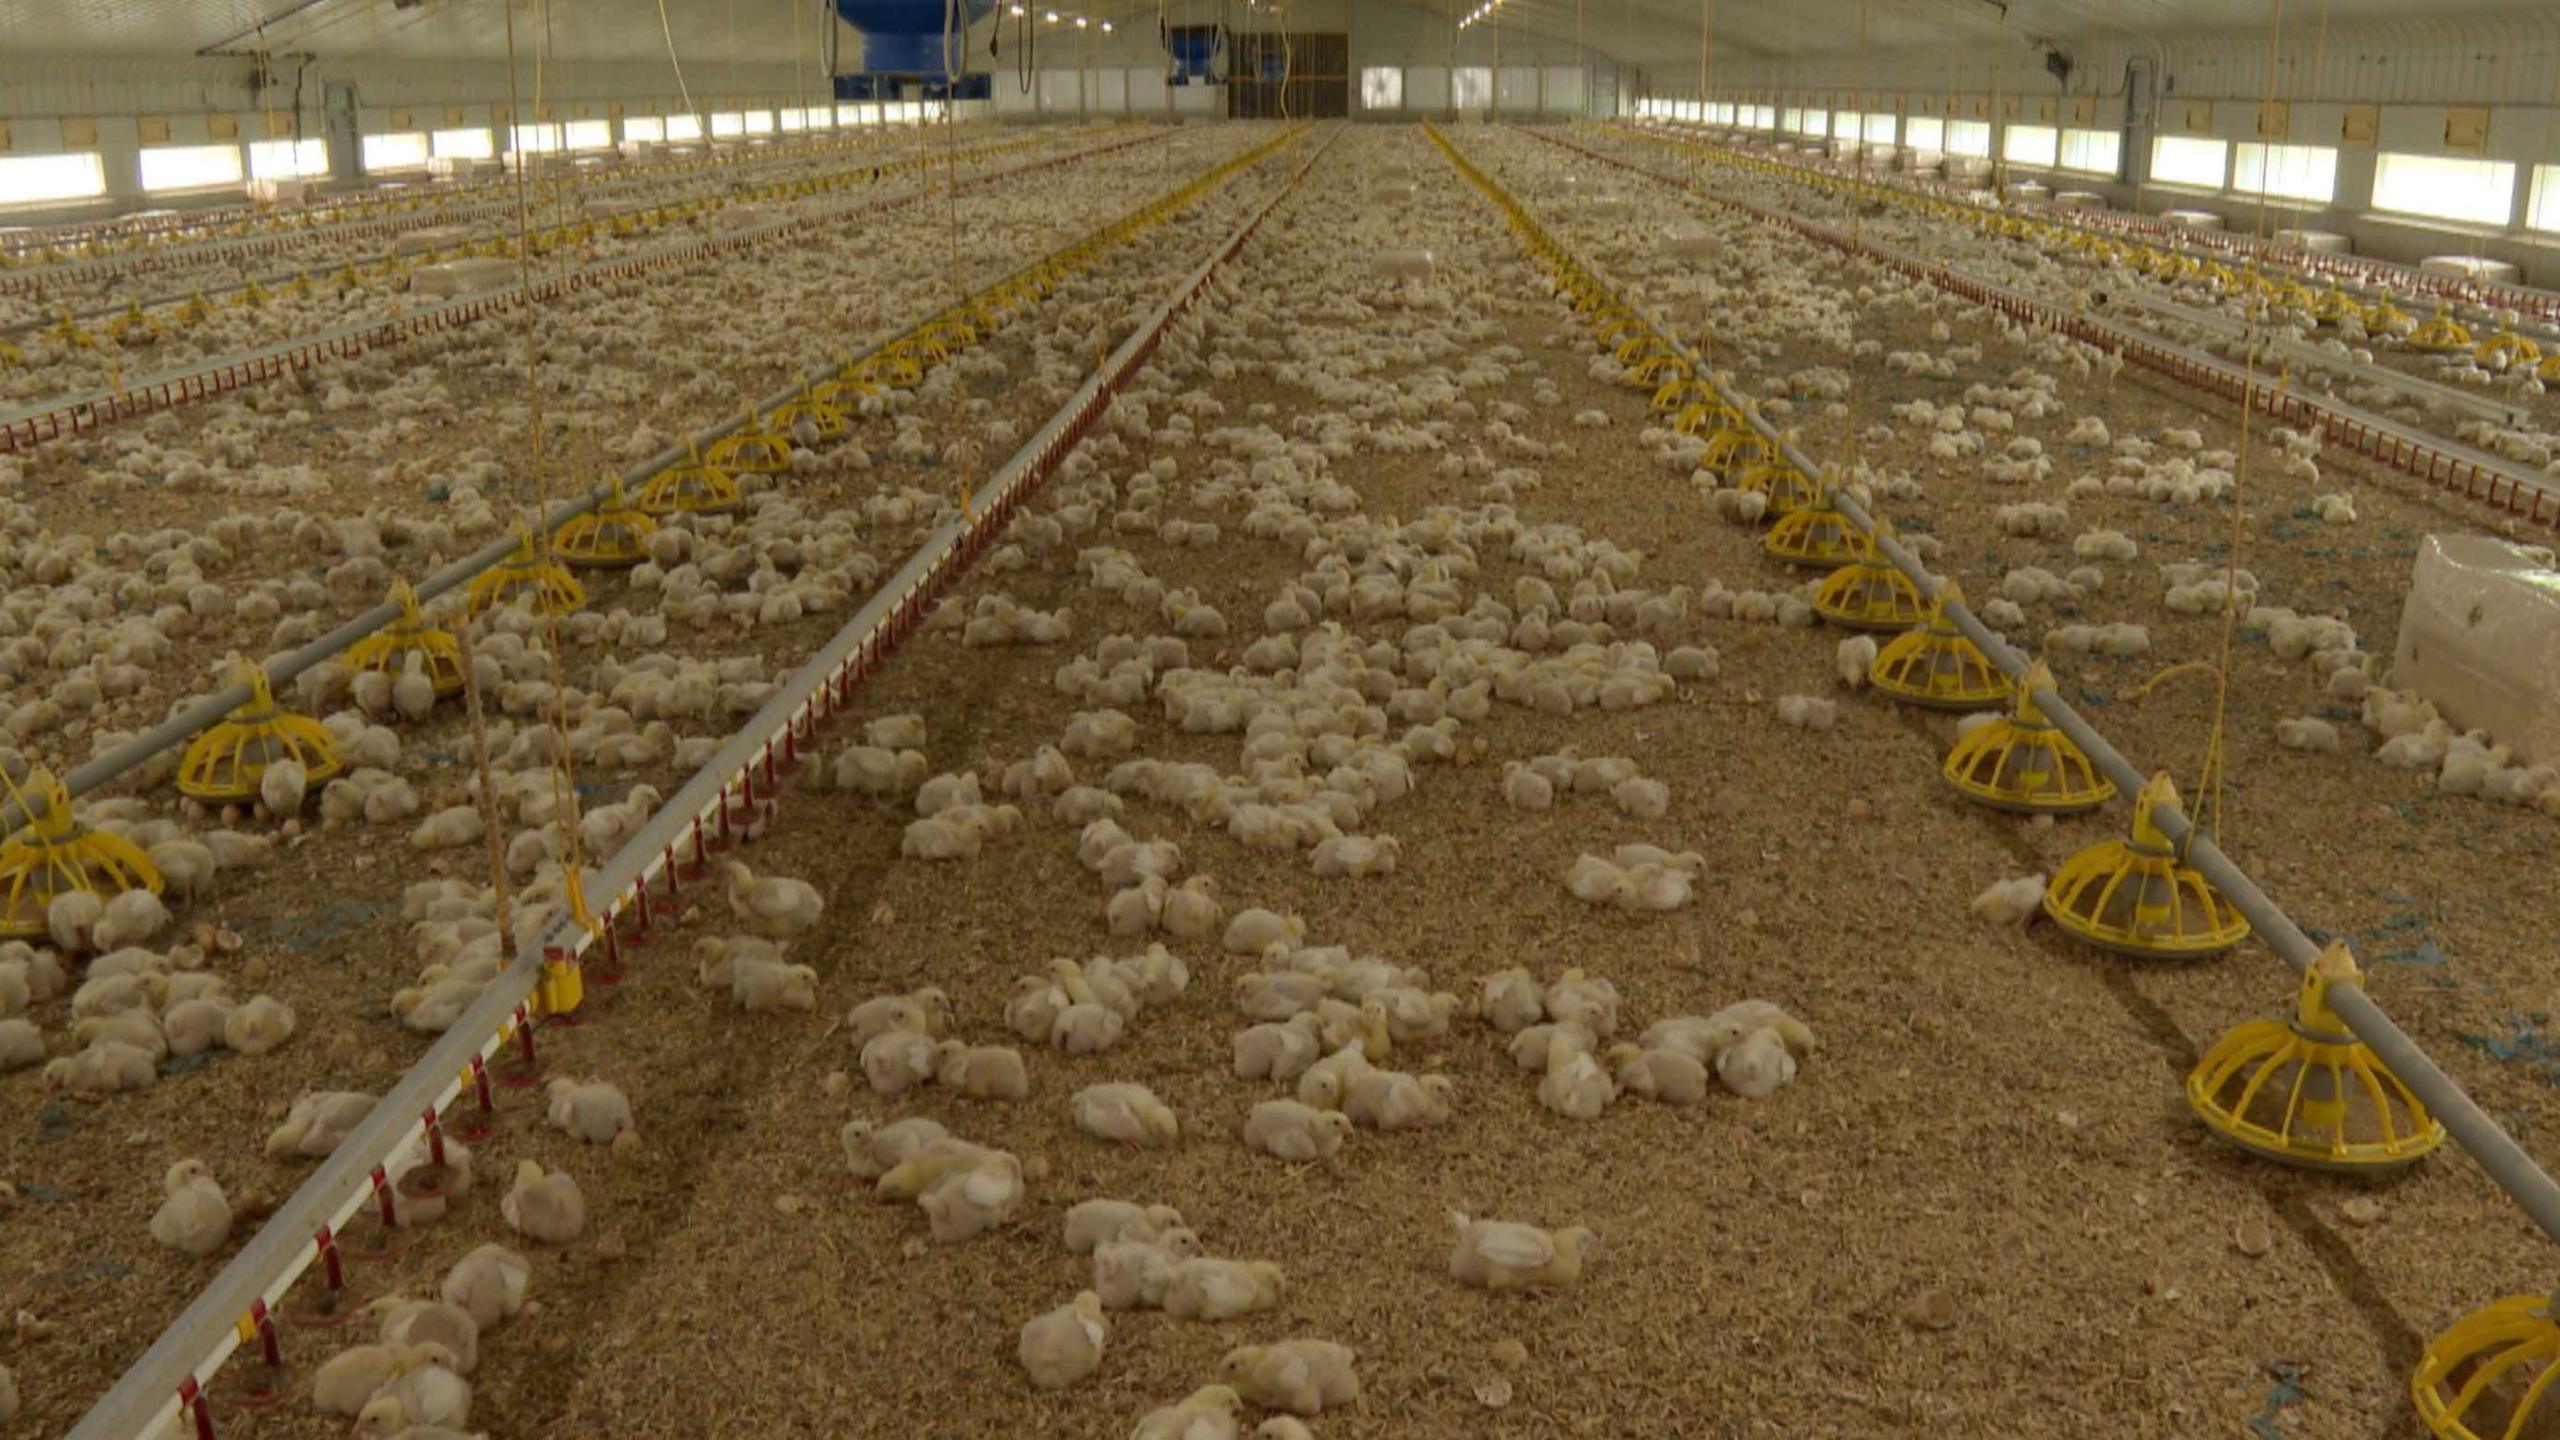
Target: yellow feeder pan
[
  {"x": 2505, "y": 349},
  {"x": 389, "y": 649},
  {"x": 2335, "y": 305},
  {"x": 751, "y": 451},
  {"x": 2484, "y": 1378},
  {"x": 1733, "y": 449},
  {"x": 1786, "y": 486},
  {"x": 2021, "y": 762},
  {"x": 2307, "y": 1092},
  {"x": 554, "y": 590},
  {"x": 2135, "y": 897},
  {"x": 1816, "y": 536},
  {"x": 609, "y": 537},
  {"x": 696, "y": 487},
  {"x": 53, "y": 854},
  {"x": 1938, "y": 665},
  {"x": 2441, "y": 334},
  {"x": 224, "y": 764},
  {"x": 829, "y": 420},
  {"x": 1867, "y": 594},
  {"x": 2548, "y": 372}
]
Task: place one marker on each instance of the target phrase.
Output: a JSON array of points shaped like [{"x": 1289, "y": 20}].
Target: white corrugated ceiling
[{"x": 1660, "y": 35}]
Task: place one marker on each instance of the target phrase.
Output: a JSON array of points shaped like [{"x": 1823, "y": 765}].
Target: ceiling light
[
  {"x": 1017, "y": 9},
  {"x": 1080, "y": 22},
  {"x": 1052, "y": 17},
  {"x": 1106, "y": 27}
]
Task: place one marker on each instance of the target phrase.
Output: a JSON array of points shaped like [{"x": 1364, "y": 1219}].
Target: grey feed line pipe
[{"x": 2515, "y": 1171}]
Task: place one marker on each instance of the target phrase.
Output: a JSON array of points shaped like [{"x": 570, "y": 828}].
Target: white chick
[
  {"x": 1300, "y": 1134},
  {"x": 881, "y": 1014},
  {"x": 595, "y": 1111},
  {"x": 1087, "y": 1029},
  {"x": 489, "y": 1285},
  {"x": 1127, "y": 1112},
  {"x": 1280, "y": 1050},
  {"x": 1394, "y": 1100},
  {"x": 407, "y": 1323},
  {"x": 258, "y": 1026},
  {"x": 1856, "y": 657},
  {"x": 1512, "y": 1000},
  {"x": 281, "y": 788},
  {"x": 1134, "y": 1274},
  {"x": 1064, "y": 1346},
  {"x": 777, "y": 906},
  {"x": 106, "y": 1067},
  {"x": 129, "y": 919},
  {"x": 1095, "y": 1223},
  {"x": 1503, "y": 1255},
  {"x": 1202, "y": 1288},
  {"x": 2309, "y": 733},
  {"x": 1283, "y": 1427},
  {"x": 21, "y": 1045},
  {"x": 871, "y": 1153},
  {"x": 1757, "y": 1066},
  {"x": 194, "y": 1216},
  {"x": 424, "y": 1394},
  {"x": 544, "y": 1208},
  {"x": 1671, "y": 1077},
  {"x": 970, "y": 1201},
  {"x": 898, "y": 1061},
  {"x": 2010, "y": 902},
  {"x": 981, "y": 1072},
  {"x": 1191, "y": 910},
  {"x": 1526, "y": 789},
  {"x": 1209, "y": 1413},
  {"x": 1302, "y": 1376},
  {"x": 1575, "y": 1085},
  {"x": 760, "y": 985},
  {"x": 346, "y": 1380},
  {"x": 1255, "y": 930}
]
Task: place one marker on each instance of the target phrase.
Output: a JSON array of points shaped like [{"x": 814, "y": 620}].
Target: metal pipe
[{"x": 2515, "y": 1171}]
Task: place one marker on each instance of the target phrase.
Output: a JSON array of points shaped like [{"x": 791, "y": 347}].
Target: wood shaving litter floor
[{"x": 1761, "y": 1257}]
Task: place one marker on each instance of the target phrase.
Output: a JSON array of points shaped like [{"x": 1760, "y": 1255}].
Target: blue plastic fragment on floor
[
  {"x": 304, "y": 933},
  {"x": 2524, "y": 1044},
  {"x": 2284, "y": 1394}
]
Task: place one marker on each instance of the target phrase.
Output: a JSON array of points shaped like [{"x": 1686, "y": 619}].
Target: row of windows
[
  {"x": 2434, "y": 187},
  {"x": 56, "y": 179}
]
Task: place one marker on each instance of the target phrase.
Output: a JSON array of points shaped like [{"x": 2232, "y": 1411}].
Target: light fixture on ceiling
[
  {"x": 1017, "y": 9},
  {"x": 1080, "y": 22},
  {"x": 1106, "y": 27},
  {"x": 1051, "y": 17}
]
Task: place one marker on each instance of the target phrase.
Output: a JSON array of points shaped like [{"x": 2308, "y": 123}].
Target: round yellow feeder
[
  {"x": 693, "y": 488},
  {"x": 1786, "y": 486},
  {"x": 1937, "y": 665},
  {"x": 1868, "y": 594},
  {"x": 2307, "y": 1092},
  {"x": 53, "y": 854},
  {"x": 554, "y": 590},
  {"x": 2021, "y": 762},
  {"x": 829, "y": 420},
  {"x": 2507, "y": 349},
  {"x": 2441, "y": 334},
  {"x": 1816, "y": 536},
  {"x": 389, "y": 649},
  {"x": 2483, "y": 1378},
  {"x": 2135, "y": 897},
  {"x": 613, "y": 535},
  {"x": 751, "y": 450},
  {"x": 2335, "y": 305},
  {"x": 224, "y": 764}
]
